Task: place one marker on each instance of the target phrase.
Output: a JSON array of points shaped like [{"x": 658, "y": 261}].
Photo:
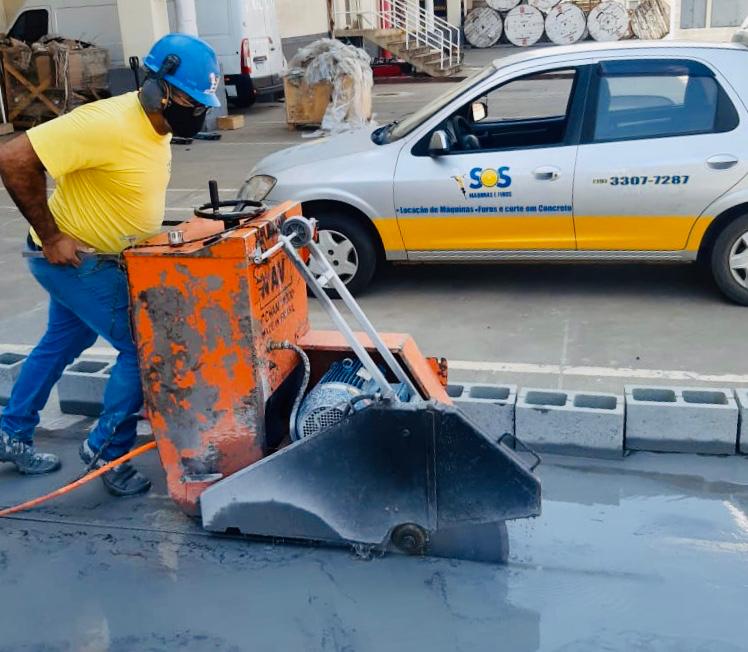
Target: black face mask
[{"x": 185, "y": 121}]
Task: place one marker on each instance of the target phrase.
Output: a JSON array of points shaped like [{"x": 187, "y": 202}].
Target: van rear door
[
  {"x": 220, "y": 24},
  {"x": 259, "y": 38}
]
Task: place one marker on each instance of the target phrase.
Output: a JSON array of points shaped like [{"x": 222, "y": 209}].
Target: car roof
[{"x": 581, "y": 49}]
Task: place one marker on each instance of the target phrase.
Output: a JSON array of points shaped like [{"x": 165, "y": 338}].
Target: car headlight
[{"x": 258, "y": 187}]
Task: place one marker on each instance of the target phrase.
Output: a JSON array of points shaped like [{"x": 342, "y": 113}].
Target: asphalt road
[{"x": 646, "y": 554}]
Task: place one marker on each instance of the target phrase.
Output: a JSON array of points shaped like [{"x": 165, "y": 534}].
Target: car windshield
[{"x": 407, "y": 125}]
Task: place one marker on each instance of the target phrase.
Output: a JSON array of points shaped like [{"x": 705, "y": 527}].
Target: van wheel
[
  {"x": 348, "y": 247},
  {"x": 245, "y": 94},
  {"x": 730, "y": 261}
]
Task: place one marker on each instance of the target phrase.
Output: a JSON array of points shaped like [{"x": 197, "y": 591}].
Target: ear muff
[{"x": 154, "y": 95}]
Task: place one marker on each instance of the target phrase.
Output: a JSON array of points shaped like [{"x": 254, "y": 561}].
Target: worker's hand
[{"x": 61, "y": 249}]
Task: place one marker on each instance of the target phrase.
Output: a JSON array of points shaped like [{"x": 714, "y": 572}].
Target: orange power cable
[{"x": 78, "y": 483}]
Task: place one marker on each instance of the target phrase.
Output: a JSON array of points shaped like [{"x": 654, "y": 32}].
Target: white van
[{"x": 244, "y": 33}]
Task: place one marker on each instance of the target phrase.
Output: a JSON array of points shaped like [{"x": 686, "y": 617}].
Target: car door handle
[
  {"x": 722, "y": 162},
  {"x": 548, "y": 173}
]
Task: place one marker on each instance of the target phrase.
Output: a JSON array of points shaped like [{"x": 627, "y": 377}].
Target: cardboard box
[
  {"x": 306, "y": 105},
  {"x": 230, "y": 122}
]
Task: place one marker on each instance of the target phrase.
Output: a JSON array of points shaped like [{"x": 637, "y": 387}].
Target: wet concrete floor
[{"x": 647, "y": 553}]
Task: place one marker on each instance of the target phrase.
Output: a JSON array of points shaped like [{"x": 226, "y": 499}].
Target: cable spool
[
  {"x": 609, "y": 21},
  {"x": 502, "y": 5},
  {"x": 566, "y": 24},
  {"x": 543, "y": 5},
  {"x": 483, "y": 27},
  {"x": 524, "y": 25}
]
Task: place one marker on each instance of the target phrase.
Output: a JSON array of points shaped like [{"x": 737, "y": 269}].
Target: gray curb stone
[
  {"x": 681, "y": 419},
  {"x": 587, "y": 424},
  {"x": 81, "y": 388},
  {"x": 741, "y": 395},
  {"x": 490, "y": 407},
  {"x": 10, "y": 368}
]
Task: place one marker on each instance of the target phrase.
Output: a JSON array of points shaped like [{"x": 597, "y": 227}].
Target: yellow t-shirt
[{"x": 111, "y": 168}]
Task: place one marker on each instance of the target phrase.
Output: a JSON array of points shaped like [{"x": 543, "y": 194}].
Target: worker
[{"x": 111, "y": 160}]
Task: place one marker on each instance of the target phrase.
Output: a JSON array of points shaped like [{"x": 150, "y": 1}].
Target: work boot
[
  {"x": 25, "y": 457},
  {"x": 122, "y": 480}
]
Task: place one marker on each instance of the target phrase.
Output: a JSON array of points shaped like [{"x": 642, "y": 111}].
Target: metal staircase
[{"x": 429, "y": 43}]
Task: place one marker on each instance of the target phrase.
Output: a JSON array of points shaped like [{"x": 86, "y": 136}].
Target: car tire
[
  {"x": 245, "y": 94},
  {"x": 347, "y": 244},
  {"x": 727, "y": 270}
]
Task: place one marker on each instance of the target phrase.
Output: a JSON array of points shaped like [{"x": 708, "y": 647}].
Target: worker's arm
[{"x": 25, "y": 180}]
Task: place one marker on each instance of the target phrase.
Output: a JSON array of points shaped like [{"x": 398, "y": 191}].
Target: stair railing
[{"x": 420, "y": 28}]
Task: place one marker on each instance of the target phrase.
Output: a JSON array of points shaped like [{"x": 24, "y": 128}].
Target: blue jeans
[{"x": 85, "y": 303}]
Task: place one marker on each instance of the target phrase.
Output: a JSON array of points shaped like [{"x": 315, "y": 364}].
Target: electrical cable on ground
[{"x": 78, "y": 483}]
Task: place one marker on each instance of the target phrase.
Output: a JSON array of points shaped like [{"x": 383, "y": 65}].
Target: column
[{"x": 186, "y": 17}]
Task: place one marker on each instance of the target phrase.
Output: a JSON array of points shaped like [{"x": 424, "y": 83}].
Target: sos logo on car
[{"x": 490, "y": 178}]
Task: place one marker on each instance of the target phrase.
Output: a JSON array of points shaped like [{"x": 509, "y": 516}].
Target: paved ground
[{"x": 649, "y": 553}]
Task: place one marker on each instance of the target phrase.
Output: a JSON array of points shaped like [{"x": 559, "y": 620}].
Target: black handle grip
[{"x": 215, "y": 201}]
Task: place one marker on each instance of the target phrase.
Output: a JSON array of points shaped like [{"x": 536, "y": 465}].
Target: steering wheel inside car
[{"x": 465, "y": 134}]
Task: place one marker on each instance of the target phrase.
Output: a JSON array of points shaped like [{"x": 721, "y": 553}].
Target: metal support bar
[
  {"x": 334, "y": 314},
  {"x": 359, "y": 316}
]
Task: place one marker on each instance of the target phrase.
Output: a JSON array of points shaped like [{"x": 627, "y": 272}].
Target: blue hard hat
[{"x": 198, "y": 73}]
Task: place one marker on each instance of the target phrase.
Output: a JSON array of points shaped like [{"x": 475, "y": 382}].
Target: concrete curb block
[
  {"x": 491, "y": 407},
  {"x": 586, "y": 424},
  {"x": 681, "y": 419},
  {"x": 741, "y": 396},
  {"x": 81, "y": 388},
  {"x": 10, "y": 368}
]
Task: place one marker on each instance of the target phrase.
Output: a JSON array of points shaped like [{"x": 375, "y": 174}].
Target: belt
[{"x": 31, "y": 244}]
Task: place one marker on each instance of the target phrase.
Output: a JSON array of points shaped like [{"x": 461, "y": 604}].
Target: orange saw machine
[{"x": 270, "y": 429}]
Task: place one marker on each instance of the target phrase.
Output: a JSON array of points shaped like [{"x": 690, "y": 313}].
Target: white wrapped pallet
[
  {"x": 502, "y": 5},
  {"x": 566, "y": 24},
  {"x": 651, "y": 20},
  {"x": 609, "y": 21},
  {"x": 544, "y": 5},
  {"x": 483, "y": 27},
  {"x": 524, "y": 25}
]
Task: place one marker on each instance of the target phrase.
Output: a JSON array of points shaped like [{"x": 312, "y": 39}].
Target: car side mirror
[
  {"x": 439, "y": 143},
  {"x": 479, "y": 111}
]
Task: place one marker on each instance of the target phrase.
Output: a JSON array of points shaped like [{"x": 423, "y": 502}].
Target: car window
[
  {"x": 31, "y": 25},
  {"x": 518, "y": 100},
  {"x": 530, "y": 111},
  {"x": 659, "y": 100},
  {"x": 411, "y": 122}
]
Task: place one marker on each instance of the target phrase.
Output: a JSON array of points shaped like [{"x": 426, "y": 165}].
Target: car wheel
[
  {"x": 730, "y": 261},
  {"x": 348, "y": 247},
  {"x": 245, "y": 94}
]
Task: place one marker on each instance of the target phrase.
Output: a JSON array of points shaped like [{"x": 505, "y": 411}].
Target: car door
[
  {"x": 505, "y": 186},
  {"x": 659, "y": 146}
]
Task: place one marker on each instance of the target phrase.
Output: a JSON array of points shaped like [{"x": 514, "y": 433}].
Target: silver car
[{"x": 634, "y": 151}]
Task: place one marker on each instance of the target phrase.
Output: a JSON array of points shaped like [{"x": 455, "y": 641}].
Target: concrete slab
[
  {"x": 681, "y": 419},
  {"x": 571, "y": 423},
  {"x": 82, "y": 386},
  {"x": 10, "y": 368},
  {"x": 490, "y": 407},
  {"x": 644, "y": 553}
]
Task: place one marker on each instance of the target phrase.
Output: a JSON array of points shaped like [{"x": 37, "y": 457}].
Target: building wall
[
  {"x": 707, "y": 20},
  {"x": 8, "y": 12},
  {"x": 301, "y": 23},
  {"x": 301, "y": 18}
]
